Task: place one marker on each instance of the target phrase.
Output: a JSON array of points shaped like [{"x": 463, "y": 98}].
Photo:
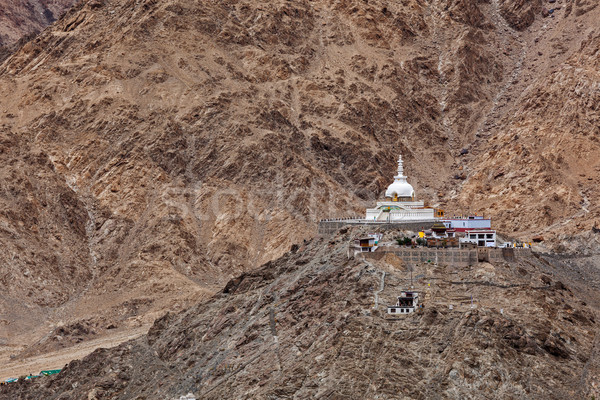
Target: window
[
  {"x": 473, "y": 236},
  {"x": 481, "y": 236},
  {"x": 490, "y": 235}
]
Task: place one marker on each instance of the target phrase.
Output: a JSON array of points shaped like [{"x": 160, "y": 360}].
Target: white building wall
[
  {"x": 410, "y": 211},
  {"x": 489, "y": 238},
  {"x": 468, "y": 223}
]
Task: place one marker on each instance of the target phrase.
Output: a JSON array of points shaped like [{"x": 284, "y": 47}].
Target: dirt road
[{"x": 58, "y": 359}]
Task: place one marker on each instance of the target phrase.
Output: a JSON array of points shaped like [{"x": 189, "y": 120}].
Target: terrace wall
[{"x": 449, "y": 256}]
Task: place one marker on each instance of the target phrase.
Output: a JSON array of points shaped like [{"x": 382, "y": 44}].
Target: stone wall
[
  {"x": 330, "y": 227},
  {"x": 452, "y": 256}
]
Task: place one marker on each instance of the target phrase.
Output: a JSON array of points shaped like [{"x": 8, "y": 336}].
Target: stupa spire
[
  {"x": 400, "y": 166},
  {"x": 400, "y": 177},
  {"x": 400, "y": 188}
]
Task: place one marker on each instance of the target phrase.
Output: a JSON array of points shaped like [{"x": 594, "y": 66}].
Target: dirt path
[
  {"x": 58, "y": 359},
  {"x": 381, "y": 287}
]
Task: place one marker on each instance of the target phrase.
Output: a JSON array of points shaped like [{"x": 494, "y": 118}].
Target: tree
[{"x": 405, "y": 241}]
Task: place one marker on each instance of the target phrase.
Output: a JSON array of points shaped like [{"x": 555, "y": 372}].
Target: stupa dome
[{"x": 400, "y": 188}]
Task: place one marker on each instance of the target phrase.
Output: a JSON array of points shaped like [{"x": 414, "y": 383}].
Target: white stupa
[
  {"x": 400, "y": 204},
  {"x": 400, "y": 189}
]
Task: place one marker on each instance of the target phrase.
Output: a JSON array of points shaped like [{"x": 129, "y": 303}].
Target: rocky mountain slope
[
  {"x": 306, "y": 326},
  {"x": 155, "y": 150},
  {"x": 535, "y": 174},
  {"x": 19, "y": 19}
]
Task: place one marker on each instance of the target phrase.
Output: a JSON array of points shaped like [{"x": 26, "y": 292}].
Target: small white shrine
[
  {"x": 400, "y": 203},
  {"x": 407, "y": 303}
]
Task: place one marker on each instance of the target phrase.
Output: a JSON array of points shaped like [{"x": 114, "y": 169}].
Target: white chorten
[
  {"x": 400, "y": 204},
  {"x": 400, "y": 189}
]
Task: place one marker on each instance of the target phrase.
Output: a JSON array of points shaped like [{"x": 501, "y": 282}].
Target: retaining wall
[
  {"x": 452, "y": 256},
  {"x": 330, "y": 227}
]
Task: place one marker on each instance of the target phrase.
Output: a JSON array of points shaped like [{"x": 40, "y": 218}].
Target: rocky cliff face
[
  {"x": 21, "y": 21},
  {"x": 22, "y": 18},
  {"x": 536, "y": 173},
  {"x": 308, "y": 325},
  {"x": 187, "y": 143}
]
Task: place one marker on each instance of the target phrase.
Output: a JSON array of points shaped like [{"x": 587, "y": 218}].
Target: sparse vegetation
[{"x": 404, "y": 241}]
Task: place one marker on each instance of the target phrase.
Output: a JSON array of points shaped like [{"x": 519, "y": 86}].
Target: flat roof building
[
  {"x": 471, "y": 222},
  {"x": 407, "y": 303}
]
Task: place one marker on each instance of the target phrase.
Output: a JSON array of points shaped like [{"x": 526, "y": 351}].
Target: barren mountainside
[
  {"x": 153, "y": 150},
  {"x": 22, "y": 18},
  {"x": 308, "y": 326}
]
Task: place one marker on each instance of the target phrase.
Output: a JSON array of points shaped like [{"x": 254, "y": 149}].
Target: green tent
[{"x": 50, "y": 372}]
